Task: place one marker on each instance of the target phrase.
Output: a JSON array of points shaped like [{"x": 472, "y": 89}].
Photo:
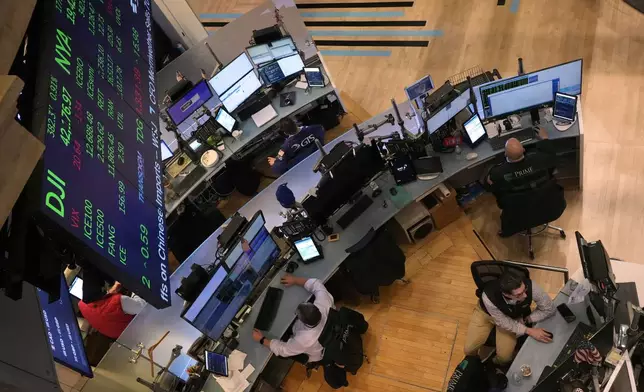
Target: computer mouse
[
  {"x": 291, "y": 267},
  {"x": 287, "y": 102},
  {"x": 393, "y": 191},
  {"x": 549, "y": 333},
  {"x": 471, "y": 156},
  {"x": 181, "y": 161}
]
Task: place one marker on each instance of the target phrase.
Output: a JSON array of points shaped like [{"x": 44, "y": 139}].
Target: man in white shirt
[{"x": 311, "y": 318}]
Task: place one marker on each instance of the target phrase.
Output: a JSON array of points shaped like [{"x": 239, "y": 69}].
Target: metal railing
[{"x": 564, "y": 271}]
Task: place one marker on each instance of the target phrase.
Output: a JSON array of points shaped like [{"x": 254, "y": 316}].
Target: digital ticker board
[{"x": 102, "y": 177}]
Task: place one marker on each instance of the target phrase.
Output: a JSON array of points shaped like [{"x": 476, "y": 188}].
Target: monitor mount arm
[
  {"x": 401, "y": 123},
  {"x": 371, "y": 128},
  {"x": 634, "y": 314}
]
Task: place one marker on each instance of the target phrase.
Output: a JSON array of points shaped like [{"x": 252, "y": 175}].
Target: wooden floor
[{"x": 609, "y": 35}]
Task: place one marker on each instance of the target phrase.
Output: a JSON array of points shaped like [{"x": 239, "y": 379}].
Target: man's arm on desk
[
  {"x": 323, "y": 300},
  {"x": 545, "y": 306},
  {"x": 516, "y": 326}
]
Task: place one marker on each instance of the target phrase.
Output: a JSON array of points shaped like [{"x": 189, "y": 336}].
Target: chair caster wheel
[
  {"x": 562, "y": 234},
  {"x": 531, "y": 255}
]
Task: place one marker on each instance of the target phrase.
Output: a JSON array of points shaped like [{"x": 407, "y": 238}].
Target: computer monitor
[
  {"x": 474, "y": 130},
  {"x": 275, "y": 50},
  {"x": 64, "y": 334},
  {"x": 595, "y": 263},
  {"x": 291, "y": 65},
  {"x": 523, "y": 98},
  {"x": 166, "y": 152},
  {"x": 314, "y": 77},
  {"x": 271, "y": 73},
  {"x": 189, "y": 103},
  {"x": 231, "y": 74},
  {"x": 565, "y": 78},
  {"x": 76, "y": 289},
  {"x": 260, "y": 54},
  {"x": 179, "y": 367},
  {"x": 240, "y": 91},
  {"x": 308, "y": 250},
  {"x": 226, "y": 292},
  {"x": 345, "y": 179},
  {"x": 418, "y": 89},
  {"x": 224, "y": 119},
  {"x": 281, "y": 69},
  {"x": 565, "y": 107}
]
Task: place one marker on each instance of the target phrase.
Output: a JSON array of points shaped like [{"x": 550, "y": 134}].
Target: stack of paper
[{"x": 237, "y": 378}]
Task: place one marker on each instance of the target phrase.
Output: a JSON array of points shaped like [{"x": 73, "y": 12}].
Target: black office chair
[
  {"x": 530, "y": 212},
  {"x": 486, "y": 271},
  {"x": 335, "y": 326}
]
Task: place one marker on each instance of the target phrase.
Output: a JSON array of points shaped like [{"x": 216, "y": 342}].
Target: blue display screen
[
  {"x": 272, "y": 73},
  {"x": 63, "y": 333},
  {"x": 565, "y": 107},
  {"x": 102, "y": 179},
  {"x": 190, "y": 102},
  {"x": 225, "y": 294}
]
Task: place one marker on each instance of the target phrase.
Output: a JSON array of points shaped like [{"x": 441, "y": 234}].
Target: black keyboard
[
  {"x": 269, "y": 308},
  {"x": 524, "y": 135},
  {"x": 582, "y": 333},
  {"x": 355, "y": 211}
]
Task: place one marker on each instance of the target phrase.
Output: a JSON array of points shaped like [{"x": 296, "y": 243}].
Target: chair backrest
[
  {"x": 486, "y": 271},
  {"x": 531, "y": 208}
]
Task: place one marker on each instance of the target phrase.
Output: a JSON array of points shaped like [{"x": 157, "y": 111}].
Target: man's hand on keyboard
[{"x": 543, "y": 134}]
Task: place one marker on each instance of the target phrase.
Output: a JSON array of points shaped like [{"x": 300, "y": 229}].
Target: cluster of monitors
[
  {"x": 500, "y": 98},
  {"x": 243, "y": 266},
  {"x": 343, "y": 181},
  {"x": 565, "y": 109},
  {"x": 277, "y": 61}
]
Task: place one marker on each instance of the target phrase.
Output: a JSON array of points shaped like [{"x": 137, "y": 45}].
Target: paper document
[
  {"x": 265, "y": 115},
  {"x": 248, "y": 371},
  {"x": 236, "y": 360},
  {"x": 302, "y": 85}
]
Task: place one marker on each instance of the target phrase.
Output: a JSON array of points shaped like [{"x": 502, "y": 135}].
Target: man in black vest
[
  {"x": 505, "y": 304},
  {"x": 523, "y": 171}
]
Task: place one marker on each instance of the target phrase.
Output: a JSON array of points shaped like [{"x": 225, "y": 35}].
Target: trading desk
[
  {"x": 303, "y": 102},
  {"x": 539, "y": 355},
  {"x": 149, "y": 325}
]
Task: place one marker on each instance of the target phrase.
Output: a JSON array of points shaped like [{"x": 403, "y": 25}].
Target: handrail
[{"x": 564, "y": 271}]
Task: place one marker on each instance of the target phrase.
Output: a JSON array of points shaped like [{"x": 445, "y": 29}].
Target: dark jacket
[
  {"x": 375, "y": 261},
  {"x": 520, "y": 310},
  {"x": 297, "y": 147},
  {"x": 535, "y": 169},
  {"x": 526, "y": 191}
]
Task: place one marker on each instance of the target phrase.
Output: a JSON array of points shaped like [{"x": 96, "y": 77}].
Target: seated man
[
  {"x": 311, "y": 318},
  {"x": 522, "y": 171},
  {"x": 111, "y": 314},
  {"x": 299, "y": 145},
  {"x": 505, "y": 304}
]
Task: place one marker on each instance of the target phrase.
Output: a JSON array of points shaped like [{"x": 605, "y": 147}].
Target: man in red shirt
[{"x": 111, "y": 314}]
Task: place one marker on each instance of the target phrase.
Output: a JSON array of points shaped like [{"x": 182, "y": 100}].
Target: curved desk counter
[{"x": 151, "y": 323}]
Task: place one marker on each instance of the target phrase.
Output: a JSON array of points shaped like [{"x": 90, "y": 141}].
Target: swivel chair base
[{"x": 538, "y": 230}]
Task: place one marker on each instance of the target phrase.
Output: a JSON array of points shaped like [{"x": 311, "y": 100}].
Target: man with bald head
[{"x": 521, "y": 171}]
